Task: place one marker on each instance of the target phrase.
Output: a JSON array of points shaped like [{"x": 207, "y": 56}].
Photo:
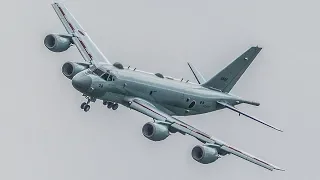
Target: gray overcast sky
[{"x": 45, "y": 135}]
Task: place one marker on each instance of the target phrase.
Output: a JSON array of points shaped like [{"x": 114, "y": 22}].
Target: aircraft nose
[{"x": 81, "y": 82}]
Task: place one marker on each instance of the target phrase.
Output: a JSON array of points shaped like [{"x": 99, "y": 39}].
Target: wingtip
[
  {"x": 55, "y": 2},
  {"x": 58, "y": 1},
  {"x": 279, "y": 169},
  {"x": 272, "y": 127},
  {"x": 280, "y": 130}
]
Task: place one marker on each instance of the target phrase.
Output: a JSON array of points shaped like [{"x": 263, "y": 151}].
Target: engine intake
[
  {"x": 155, "y": 131},
  {"x": 204, "y": 154},
  {"x": 70, "y": 69},
  {"x": 57, "y": 43}
]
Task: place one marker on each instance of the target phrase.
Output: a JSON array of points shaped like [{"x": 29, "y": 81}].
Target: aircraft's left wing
[
  {"x": 87, "y": 48},
  {"x": 150, "y": 110}
]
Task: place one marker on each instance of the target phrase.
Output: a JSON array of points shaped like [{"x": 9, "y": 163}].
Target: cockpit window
[
  {"x": 107, "y": 77},
  {"x": 110, "y": 78},
  {"x": 98, "y": 72}
]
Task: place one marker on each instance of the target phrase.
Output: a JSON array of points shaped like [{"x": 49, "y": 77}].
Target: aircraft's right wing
[
  {"x": 150, "y": 110},
  {"x": 87, "y": 48}
]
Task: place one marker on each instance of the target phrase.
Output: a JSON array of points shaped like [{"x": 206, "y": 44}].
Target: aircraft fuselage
[{"x": 171, "y": 96}]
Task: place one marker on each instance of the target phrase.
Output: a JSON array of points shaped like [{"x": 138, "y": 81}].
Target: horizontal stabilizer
[
  {"x": 196, "y": 74},
  {"x": 238, "y": 111}
]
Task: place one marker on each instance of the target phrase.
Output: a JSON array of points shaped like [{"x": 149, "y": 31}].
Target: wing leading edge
[
  {"x": 150, "y": 110},
  {"x": 87, "y": 48}
]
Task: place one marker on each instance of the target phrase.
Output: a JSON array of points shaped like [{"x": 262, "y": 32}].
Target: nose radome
[{"x": 81, "y": 82}]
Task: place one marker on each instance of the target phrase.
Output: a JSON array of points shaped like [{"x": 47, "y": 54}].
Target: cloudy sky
[{"x": 45, "y": 135}]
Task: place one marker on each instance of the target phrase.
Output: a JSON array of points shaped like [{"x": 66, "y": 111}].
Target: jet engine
[
  {"x": 57, "y": 43},
  {"x": 155, "y": 131},
  {"x": 204, "y": 154},
  {"x": 70, "y": 69}
]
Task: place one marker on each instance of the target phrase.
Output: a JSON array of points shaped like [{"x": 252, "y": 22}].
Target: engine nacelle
[
  {"x": 155, "y": 131},
  {"x": 70, "y": 69},
  {"x": 57, "y": 43},
  {"x": 204, "y": 154}
]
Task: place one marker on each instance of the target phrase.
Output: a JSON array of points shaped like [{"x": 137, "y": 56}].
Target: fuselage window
[{"x": 192, "y": 104}]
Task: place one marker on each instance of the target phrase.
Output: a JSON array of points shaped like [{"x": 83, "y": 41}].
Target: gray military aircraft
[{"x": 153, "y": 94}]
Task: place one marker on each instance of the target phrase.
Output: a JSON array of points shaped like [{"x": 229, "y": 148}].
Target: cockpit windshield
[
  {"x": 106, "y": 76},
  {"x": 98, "y": 72}
]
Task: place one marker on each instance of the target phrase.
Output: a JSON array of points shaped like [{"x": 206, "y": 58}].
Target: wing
[
  {"x": 150, "y": 110},
  {"x": 89, "y": 51},
  {"x": 238, "y": 111}
]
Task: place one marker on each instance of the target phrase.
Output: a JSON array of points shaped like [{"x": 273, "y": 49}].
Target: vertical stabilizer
[{"x": 228, "y": 77}]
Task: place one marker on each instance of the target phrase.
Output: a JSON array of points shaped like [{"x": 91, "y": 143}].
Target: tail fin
[{"x": 228, "y": 77}]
